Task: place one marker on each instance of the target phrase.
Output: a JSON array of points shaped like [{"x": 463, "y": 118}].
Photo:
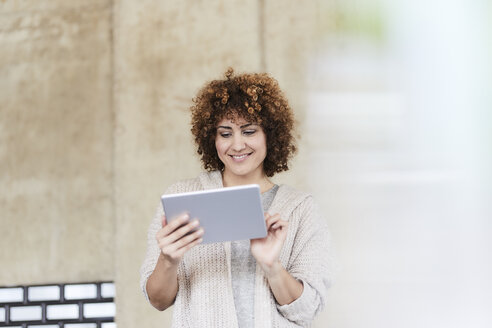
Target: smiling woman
[{"x": 243, "y": 130}]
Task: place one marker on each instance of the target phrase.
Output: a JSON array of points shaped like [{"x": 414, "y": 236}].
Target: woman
[{"x": 243, "y": 128}]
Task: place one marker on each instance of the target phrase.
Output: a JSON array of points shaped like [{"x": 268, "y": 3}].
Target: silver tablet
[{"x": 226, "y": 214}]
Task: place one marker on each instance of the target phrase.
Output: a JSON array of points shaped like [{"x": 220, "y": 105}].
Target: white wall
[{"x": 401, "y": 156}]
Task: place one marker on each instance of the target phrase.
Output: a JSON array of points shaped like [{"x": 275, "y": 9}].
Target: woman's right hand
[{"x": 173, "y": 239}]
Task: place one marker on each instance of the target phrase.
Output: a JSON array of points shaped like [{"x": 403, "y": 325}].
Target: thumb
[{"x": 164, "y": 221}]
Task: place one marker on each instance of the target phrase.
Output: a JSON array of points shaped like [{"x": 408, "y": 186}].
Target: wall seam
[{"x": 113, "y": 133}]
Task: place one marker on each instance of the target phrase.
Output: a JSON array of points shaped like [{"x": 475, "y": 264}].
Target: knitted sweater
[{"x": 205, "y": 297}]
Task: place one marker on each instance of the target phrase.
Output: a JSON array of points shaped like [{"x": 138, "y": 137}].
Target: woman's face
[{"x": 241, "y": 146}]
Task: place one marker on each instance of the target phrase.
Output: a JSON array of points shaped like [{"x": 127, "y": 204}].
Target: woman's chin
[{"x": 240, "y": 173}]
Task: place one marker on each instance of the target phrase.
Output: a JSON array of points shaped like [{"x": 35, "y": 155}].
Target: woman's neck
[{"x": 231, "y": 180}]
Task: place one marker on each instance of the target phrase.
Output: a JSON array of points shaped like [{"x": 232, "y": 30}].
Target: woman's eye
[
  {"x": 249, "y": 132},
  {"x": 225, "y": 134}
]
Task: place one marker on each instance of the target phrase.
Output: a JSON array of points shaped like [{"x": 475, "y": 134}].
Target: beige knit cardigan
[{"x": 205, "y": 297}]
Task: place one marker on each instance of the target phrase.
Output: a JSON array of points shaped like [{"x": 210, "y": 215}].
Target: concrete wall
[
  {"x": 56, "y": 210},
  {"x": 94, "y": 125}
]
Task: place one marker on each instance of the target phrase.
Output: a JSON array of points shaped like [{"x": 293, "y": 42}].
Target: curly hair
[{"x": 256, "y": 98}]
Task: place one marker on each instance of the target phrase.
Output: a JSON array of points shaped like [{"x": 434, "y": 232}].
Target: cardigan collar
[{"x": 211, "y": 180}]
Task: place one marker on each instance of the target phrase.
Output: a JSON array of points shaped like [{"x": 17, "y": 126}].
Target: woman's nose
[{"x": 238, "y": 143}]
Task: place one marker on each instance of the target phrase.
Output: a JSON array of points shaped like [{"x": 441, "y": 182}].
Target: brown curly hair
[{"x": 258, "y": 99}]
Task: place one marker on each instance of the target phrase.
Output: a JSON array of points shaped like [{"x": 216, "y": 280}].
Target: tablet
[{"x": 226, "y": 214}]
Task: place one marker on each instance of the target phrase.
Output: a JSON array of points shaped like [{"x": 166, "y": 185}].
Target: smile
[{"x": 239, "y": 158}]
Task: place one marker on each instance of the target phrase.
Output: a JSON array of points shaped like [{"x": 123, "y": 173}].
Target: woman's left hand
[{"x": 266, "y": 250}]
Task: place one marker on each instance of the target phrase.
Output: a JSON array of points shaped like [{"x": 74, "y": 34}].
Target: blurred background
[{"x": 394, "y": 107}]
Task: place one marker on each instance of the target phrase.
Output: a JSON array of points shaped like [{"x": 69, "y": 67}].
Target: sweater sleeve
[
  {"x": 310, "y": 262},
  {"x": 153, "y": 251}
]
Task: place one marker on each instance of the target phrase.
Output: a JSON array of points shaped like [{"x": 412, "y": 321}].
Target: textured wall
[
  {"x": 94, "y": 98},
  {"x": 55, "y": 141}
]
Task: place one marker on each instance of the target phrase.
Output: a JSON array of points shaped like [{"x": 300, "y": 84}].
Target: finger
[
  {"x": 173, "y": 250},
  {"x": 179, "y": 233},
  {"x": 169, "y": 228},
  {"x": 176, "y": 223},
  {"x": 272, "y": 219},
  {"x": 161, "y": 233},
  {"x": 183, "y": 242},
  {"x": 279, "y": 224}
]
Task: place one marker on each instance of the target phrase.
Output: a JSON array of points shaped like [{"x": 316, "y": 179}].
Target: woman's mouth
[{"x": 239, "y": 158}]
